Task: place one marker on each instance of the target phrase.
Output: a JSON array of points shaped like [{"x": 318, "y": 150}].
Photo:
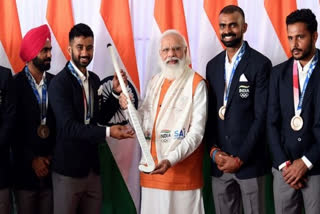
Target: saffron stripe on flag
[
  {"x": 277, "y": 12},
  {"x": 10, "y": 33},
  {"x": 116, "y": 17},
  {"x": 170, "y": 15},
  {"x": 60, "y": 19}
]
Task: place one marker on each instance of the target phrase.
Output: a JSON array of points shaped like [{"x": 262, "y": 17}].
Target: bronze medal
[
  {"x": 222, "y": 111},
  {"x": 296, "y": 123},
  {"x": 43, "y": 131}
]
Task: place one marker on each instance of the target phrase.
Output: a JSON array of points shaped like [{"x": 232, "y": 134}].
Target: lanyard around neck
[
  {"x": 298, "y": 100},
  {"x": 86, "y": 101},
  {"x": 43, "y": 101},
  {"x": 238, "y": 59}
]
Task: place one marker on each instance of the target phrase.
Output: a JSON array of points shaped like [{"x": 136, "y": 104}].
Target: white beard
[{"x": 172, "y": 72}]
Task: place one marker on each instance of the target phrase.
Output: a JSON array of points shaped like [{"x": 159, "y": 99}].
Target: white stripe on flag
[
  {"x": 152, "y": 66},
  {"x": 260, "y": 33},
  {"x": 4, "y": 58},
  {"x": 209, "y": 44}
]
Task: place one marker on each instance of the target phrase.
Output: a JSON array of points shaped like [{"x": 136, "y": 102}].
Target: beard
[
  {"x": 233, "y": 43},
  {"x": 41, "y": 63},
  {"x": 77, "y": 60},
  {"x": 173, "y": 71},
  {"x": 305, "y": 53}
]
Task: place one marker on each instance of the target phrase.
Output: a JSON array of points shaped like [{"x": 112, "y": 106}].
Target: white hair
[{"x": 184, "y": 42}]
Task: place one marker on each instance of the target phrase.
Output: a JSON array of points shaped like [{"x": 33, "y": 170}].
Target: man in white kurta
[{"x": 173, "y": 116}]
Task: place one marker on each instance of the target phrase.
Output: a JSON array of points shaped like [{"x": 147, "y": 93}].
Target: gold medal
[
  {"x": 296, "y": 123},
  {"x": 43, "y": 131},
  {"x": 222, "y": 111}
]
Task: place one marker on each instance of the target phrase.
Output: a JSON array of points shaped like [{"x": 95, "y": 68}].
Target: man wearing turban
[{"x": 35, "y": 125}]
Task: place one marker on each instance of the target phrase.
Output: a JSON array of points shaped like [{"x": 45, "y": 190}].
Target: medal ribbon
[
  {"x": 86, "y": 102},
  {"x": 43, "y": 101},
  {"x": 238, "y": 59},
  {"x": 299, "y": 99}
]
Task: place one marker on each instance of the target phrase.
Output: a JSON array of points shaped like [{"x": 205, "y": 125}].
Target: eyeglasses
[{"x": 173, "y": 49}]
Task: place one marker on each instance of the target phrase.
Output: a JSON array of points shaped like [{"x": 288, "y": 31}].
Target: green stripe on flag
[
  {"x": 116, "y": 196},
  {"x": 269, "y": 205},
  {"x": 207, "y": 188}
]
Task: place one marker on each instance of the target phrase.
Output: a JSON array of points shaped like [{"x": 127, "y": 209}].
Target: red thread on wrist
[{"x": 288, "y": 163}]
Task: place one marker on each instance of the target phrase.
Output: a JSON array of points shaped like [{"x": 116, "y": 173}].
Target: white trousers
[{"x": 157, "y": 201}]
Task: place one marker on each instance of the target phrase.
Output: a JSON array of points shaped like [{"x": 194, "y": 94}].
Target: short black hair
[
  {"x": 305, "y": 16},
  {"x": 231, "y": 9},
  {"x": 80, "y": 30}
]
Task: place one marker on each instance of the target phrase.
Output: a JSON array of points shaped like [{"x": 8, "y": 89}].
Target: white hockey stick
[{"x": 134, "y": 118}]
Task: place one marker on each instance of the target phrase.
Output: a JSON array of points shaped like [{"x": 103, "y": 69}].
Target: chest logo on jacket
[{"x": 244, "y": 91}]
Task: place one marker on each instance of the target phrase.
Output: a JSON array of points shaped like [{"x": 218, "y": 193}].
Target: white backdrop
[{"x": 204, "y": 44}]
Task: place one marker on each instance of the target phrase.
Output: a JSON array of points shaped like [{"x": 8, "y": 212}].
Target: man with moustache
[
  {"x": 294, "y": 119},
  {"x": 235, "y": 134},
  {"x": 7, "y": 115},
  {"x": 76, "y": 105},
  {"x": 34, "y": 126},
  {"x": 173, "y": 115}
]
